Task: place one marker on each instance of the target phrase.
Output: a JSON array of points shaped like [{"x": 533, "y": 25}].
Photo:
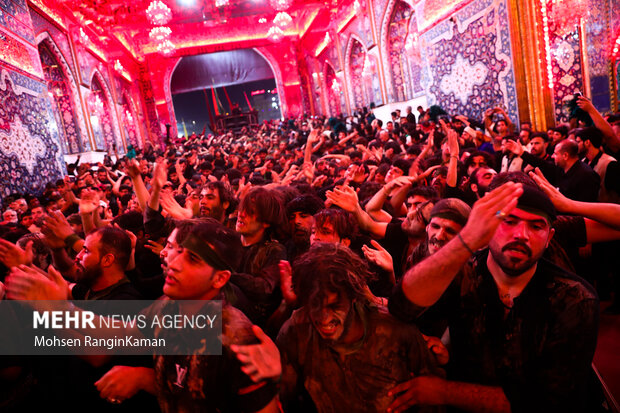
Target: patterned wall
[
  {"x": 61, "y": 95},
  {"x": 397, "y": 57},
  {"x": 566, "y": 66},
  {"x": 356, "y": 57},
  {"x": 468, "y": 62},
  {"x": 30, "y": 150},
  {"x": 30, "y": 154}
]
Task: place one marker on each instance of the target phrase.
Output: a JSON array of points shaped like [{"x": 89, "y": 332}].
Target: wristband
[
  {"x": 71, "y": 240},
  {"x": 464, "y": 243}
]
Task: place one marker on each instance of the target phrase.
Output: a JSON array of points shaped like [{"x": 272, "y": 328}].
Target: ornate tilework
[
  {"x": 41, "y": 24},
  {"x": 29, "y": 150},
  {"x": 397, "y": 57},
  {"x": 478, "y": 39},
  {"x": 356, "y": 56},
  {"x": 566, "y": 67}
]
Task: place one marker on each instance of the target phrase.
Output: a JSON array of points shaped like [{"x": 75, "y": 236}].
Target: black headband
[{"x": 205, "y": 252}]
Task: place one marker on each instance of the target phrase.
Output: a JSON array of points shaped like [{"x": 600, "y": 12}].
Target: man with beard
[
  {"x": 447, "y": 218},
  {"x": 346, "y": 352},
  {"x": 522, "y": 331},
  {"x": 100, "y": 267},
  {"x": 300, "y": 211},
  {"x": 399, "y": 238},
  {"x": 216, "y": 200}
]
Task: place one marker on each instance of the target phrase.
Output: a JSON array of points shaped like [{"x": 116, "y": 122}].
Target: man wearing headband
[{"x": 522, "y": 331}]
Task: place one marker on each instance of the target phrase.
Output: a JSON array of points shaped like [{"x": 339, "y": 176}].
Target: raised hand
[
  {"x": 560, "y": 202},
  {"x": 123, "y": 382},
  {"x": 488, "y": 212},
  {"x": 286, "y": 282},
  {"x": 12, "y": 256},
  {"x": 30, "y": 283},
  {"x": 58, "y": 225},
  {"x": 438, "y": 349},
  {"x": 259, "y": 361},
  {"x": 345, "y": 197},
  {"x": 379, "y": 256}
]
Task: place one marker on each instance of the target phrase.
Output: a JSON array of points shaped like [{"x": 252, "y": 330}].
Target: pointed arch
[
  {"x": 355, "y": 58},
  {"x": 76, "y": 103},
  {"x": 394, "y": 29},
  {"x": 110, "y": 131}
]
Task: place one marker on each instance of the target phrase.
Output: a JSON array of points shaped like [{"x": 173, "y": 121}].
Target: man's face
[
  {"x": 88, "y": 260},
  {"x": 439, "y": 182},
  {"x": 520, "y": 241},
  {"x": 248, "y": 224},
  {"x": 524, "y": 136},
  {"x": 556, "y": 137},
  {"x": 439, "y": 232},
  {"x": 188, "y": 277},
  {"x": 390, "y": 126},
  {"x": 333, "y": 317},
  {"x": 414, "y": 223},
  {"x": 10, "y": 216},
  {"x": 476, "y": 162},
  {"x": 102, "y": 176},
  {"x": 301, "y": 226},
  {"x": 484, "y": 176},
  {"x": 538, "y": 147},
  {"x": 210, "y": 204},
  {"x": 324, "y": 233},
  {"x": 21, "y": 205},
  {"x": 580, "y": 146},
  {"x": 501, "y": 127},
  {"x": 559, "y": 157},
  {"x": 27, "y": 220},
  {"x": 393, "y": 172},
  {"x": 38, "y": 213}
]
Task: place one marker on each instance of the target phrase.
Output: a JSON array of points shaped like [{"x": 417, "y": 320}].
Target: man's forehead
[
  {"x": 528, "y": 215},
  {"x": 445, "y": 222}
]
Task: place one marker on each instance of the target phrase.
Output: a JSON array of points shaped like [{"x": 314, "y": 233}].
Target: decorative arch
[
  {"x": 394, "y": 29},
  {"x": 333, "y": 101},
  {"x": 108, "y": 125},
  {"x": 356, "y": 57},
  {"x": 130, "y": 120},
  {"x": 275, "y": 67},
  {"x": 80, "y": 132}
]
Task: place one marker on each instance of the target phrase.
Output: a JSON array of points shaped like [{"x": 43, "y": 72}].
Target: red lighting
[{"x": 257, "y": 92}]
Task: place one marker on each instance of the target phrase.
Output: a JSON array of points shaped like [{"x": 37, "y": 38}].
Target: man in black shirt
[{"x": 523, "y": 331}]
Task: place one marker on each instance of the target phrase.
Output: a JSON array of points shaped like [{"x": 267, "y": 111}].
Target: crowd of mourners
[{"x": 425, "y": 263}]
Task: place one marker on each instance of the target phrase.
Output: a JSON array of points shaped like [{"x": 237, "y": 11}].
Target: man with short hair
[
  {"x": 300, "y": 211},
  {"x": 590, "y": 141},
  {"x": 578, "y": 182},
  {"x": 522, "y": 331}
]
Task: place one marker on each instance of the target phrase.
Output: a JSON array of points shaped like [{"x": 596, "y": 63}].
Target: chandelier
[
  {"x": 158, "y": 13},
  {"x": 280, "y": 5},
  {"x": 221, "y": 3},
  {"x": 160, "y": 33},
  {"x": 165, "y": 47},
  {"x": 275, "y": 34},
  {"x": 283, "y": 20},
  {"x": 566, "y": 15}
]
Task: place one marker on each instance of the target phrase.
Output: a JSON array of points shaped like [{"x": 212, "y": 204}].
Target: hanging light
[
  {"x": 566, "y": 15},
  {"x": 221, "y": 3},
  {"x": 158, "y": 13},
  {"x": 159, "y": 34},
  {"x": 280, "y": 5},
  {"x": 283, "y": 20},
  {"x": 165, "y": 47},
  {"x": 275, "y": 34}
]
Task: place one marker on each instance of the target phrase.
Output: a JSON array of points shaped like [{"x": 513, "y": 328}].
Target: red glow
[{"x": 258, "y": 92}]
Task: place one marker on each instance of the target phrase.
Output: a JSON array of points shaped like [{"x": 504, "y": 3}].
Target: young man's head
[
  {"x": 105, "y": 250},
  {"x": 216, "y": 200},
  {"x": 477, "y": 159},
  {"x": 300, "y": 211},
  {"x": 331, "y": 282},
  {"x": 481, "y": 179},
  {"x": 335, "y": 226},
  {"x": 589, "y": 140},
  {"x": 523, "y": 236},
  {"x": 198, "y": 259},
  {"x": 558, "y": 134},
  {"x": 538, "y": 144},
  {"x": 448, "y": 217},
  {"x": 261, "y": 214}
]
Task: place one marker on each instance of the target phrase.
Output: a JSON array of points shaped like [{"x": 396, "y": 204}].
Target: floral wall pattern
[
  {"x": 398, "y": 61},
  {"x": 467, "y": 62},
  {"x": 566, "y": 66},
  {"x": 61, "y": 96},
  {"x": 30, "y": 154},
  {"x": 358, "y": 86}
]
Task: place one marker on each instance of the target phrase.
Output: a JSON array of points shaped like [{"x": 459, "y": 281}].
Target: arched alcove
[
  {"x": 397, "y": 57},
  {"x": 63, "y": 104}
]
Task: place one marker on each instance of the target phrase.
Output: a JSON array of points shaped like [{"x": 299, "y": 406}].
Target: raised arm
[
  {"x": 426, "y": 282},
  {"x": 346, "y": 198}
]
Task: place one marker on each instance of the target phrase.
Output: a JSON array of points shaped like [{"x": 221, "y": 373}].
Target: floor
[{"x": 607, "y": 356}]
